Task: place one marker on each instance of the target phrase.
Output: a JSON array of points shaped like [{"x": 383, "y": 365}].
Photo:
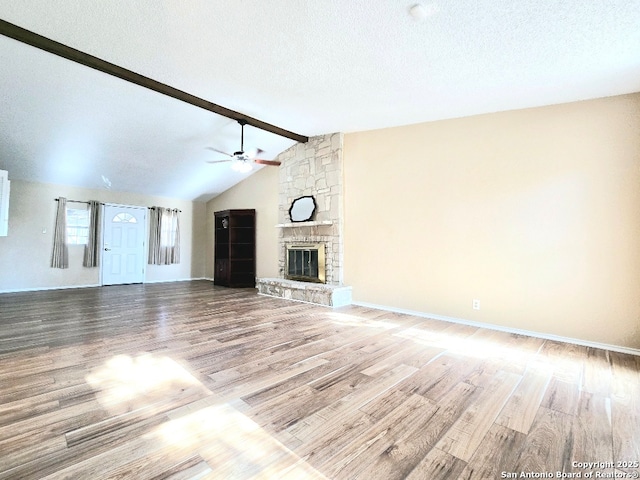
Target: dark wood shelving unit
[{"x": 235, "y": 248}]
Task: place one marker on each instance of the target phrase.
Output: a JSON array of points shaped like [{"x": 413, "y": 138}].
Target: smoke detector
[{"x": 419, "y": 11}]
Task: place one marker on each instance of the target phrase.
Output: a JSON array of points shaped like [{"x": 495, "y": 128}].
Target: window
[
  {"x": 124, "y": 218},
  {"x": 77, "y": 226}
]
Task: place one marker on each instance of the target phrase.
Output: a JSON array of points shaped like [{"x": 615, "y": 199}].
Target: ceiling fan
[{"x": 242, "y": 160}]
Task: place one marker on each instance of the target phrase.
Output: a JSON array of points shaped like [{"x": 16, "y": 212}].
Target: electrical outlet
[{"x": 476, "y": 304}]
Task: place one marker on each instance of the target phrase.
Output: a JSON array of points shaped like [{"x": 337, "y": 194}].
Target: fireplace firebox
[{"x": 305, "y": 262}]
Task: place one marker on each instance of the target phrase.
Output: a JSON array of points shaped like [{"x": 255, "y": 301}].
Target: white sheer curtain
[
  {"x": 92, "y": 248},
  {"x": 164, "y": 236},
  {"x": 60, "y": 254},
  {"x": 171, "y": 225}
]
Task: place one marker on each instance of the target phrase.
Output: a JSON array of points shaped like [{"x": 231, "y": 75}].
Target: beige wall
[
  {"x": 260, "y": 192},
  {"x": 534, "y": 212},
  {"x": 25, "y": 253}
]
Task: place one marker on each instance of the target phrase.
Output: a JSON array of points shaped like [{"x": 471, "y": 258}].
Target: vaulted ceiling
[{"x": 308, "y": 66}]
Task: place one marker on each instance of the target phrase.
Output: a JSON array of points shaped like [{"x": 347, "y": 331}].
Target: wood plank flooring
[{"x": 190, "y": 381}]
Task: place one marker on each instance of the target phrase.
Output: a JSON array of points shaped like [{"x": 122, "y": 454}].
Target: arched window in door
[{"x": 124, "y": 218}]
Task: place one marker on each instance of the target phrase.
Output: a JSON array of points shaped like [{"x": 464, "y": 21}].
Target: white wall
[{"x": 25, "y": 254}]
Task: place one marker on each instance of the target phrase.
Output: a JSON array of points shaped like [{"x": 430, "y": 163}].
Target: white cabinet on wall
[{"x": 4, "y": 203}]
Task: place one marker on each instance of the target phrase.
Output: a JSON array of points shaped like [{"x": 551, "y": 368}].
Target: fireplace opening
[{"x": 306, "y": 262}]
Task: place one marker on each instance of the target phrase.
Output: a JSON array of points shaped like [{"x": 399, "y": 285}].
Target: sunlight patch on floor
[
  {"x": 231, "y": 443},
  {"x": 464, "y": 345},
  {"x": 125, "y": 383},
  {"x": 356, "y": 321}
]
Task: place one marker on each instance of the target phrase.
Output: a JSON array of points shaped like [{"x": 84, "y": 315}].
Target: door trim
[{"x": 144, "y": 237}]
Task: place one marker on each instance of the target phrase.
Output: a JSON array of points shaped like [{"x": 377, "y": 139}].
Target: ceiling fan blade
[
  {"x": 219, "y": 151},
  {"x": 254, "y": 152},
  {"x": 219, "y": 161},
  {"x": 275, "y": 163}
]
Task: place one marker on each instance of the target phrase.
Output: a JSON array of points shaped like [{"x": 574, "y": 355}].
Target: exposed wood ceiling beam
[{"x": 43, "y": 43}]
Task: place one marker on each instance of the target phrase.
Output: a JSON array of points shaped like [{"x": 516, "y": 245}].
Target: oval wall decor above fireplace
[{"x": 302, "y": 209}]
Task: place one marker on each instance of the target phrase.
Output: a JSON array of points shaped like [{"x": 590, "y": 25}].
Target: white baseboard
[
  {"x": 175, "y": 280},
  {"x": 545, "y": 336},
  {"x": 38, "y": 289},
  {"x": 66, "y": 287}
]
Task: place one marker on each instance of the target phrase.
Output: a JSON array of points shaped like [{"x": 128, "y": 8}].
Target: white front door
[{"x": 123, "y": 244}]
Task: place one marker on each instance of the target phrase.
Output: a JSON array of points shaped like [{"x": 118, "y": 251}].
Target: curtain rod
[
  {"x": 151, "y": 208},
  {"x": 75, "y": 201},
  {"x": 102, "y": 203}
]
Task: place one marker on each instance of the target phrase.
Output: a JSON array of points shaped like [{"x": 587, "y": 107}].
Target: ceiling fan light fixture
[
  {"x": 242, "y": 161},
  {"x": 241, "y": 166}
]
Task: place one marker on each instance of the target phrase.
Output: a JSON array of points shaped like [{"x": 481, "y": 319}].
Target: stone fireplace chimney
[{"x": 312, "y": 169}]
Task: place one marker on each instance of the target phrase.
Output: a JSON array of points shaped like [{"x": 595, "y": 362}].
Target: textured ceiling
[{"x": 311, "y": 67}]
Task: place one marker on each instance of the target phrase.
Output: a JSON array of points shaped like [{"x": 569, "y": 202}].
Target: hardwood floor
[{"x": 189, "y": 381}]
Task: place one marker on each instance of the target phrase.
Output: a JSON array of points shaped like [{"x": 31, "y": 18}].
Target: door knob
[{"x": 107, "y": 249}]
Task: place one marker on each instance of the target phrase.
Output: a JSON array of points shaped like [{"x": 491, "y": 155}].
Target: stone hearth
[{"x": 317, "y": 293}]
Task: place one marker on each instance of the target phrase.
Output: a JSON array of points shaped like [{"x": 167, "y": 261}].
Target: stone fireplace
[{"x": 312, "y": 169}]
